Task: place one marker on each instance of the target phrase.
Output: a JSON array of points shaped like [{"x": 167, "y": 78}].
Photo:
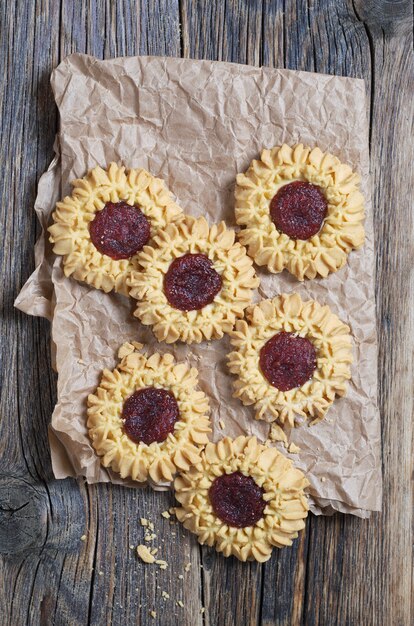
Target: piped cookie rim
[
  {"x": 309, "y": 319},
  {"x": 342, "y": 229},
  {"x": 283, "y": 488},
  {"x": 158, "y": 462},
  {"x": 70, "y": 234},
  {"x": 229, "y": 259}
]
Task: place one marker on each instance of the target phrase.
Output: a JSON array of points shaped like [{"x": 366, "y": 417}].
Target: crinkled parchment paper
[{"x": 196, "y": 124}]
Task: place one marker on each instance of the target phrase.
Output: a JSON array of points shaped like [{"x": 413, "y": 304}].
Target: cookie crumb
[
  {"x": 171, "y": 510},
  {"x": 293, "y": 449},
  {"x": 202, "y": 610},
  {"x": 154, "y": 550},
  {"x": 277, "y": 434},
  {"x": 144, "y": 521},
  {"x": 153, "y": 614},
  {"x": 166, "y": 514},
  {"x": 131, "y": 547},
  {"x": 187, "y": 567},
  {"x": 180, "y": 603},
  {"x": 100, "y": 573},
  {"x": 144, "y": 554},
  {"x": 180, "y": 576},
  {"x": 81, "y": 362},
  {"x": 222, "y": 424},
  {"x": 165, "y": 595},
  {"x": 83, "y": 538},
  {"x": 323, "y": 479},
  {"x": 161, "y": 563}
]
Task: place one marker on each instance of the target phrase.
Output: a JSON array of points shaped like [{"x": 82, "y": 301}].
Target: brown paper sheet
[{"x": 196, "y": 124}]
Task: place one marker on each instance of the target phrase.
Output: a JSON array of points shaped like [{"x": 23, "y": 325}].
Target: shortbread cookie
[
  {"x": 195, "y": 282},
  {"x": 147, "y": 418},
  {"x": 243, "y": 497},
  {"x": 290, "y": 358},
  {"x": 301, "y": 209},
  {"x": 107, "y": 220}
]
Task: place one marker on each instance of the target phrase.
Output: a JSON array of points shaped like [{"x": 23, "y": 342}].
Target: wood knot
[{"x": 33, "y": 517}]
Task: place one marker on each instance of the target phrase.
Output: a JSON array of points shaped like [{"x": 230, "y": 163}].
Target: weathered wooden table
[{"x": 342, "y": 570}]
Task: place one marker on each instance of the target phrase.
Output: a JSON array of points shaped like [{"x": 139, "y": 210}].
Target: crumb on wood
[
  {"x": 166, "y": 514},
  {"x": 187, "y": 567},
  {"x": 83, "y": 538},
  {"x": 144, "y": 554}
]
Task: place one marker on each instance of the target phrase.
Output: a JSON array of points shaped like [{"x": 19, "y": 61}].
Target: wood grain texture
[{"x": 342, "y": 571}]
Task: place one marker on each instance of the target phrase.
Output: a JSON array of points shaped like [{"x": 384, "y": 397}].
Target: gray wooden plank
[
  {"x": 59, "y": 579},
  {"x": 229, "y": 31},
  {"x": 358, "y": 572}
]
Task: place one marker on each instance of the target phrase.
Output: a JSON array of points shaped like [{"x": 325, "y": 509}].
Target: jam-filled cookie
[
  {"x": 195, "y": 282},
  {"x": 301, "y": 209},
  {"x": 107, "y": 220},
  {"x": 243, "y": 497},
  {"x": 290, "y": 358},
  {"x": 146, "y": 418}
]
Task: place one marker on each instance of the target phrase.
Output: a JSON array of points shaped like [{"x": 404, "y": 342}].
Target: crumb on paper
[
  {"x": 222, "y": 424},
  {"x": 323, "y": 479},
  {"x": 277, "y": 433},
  {"x": 293, "y": 449},
  {"x": 187, "y": 567},
  {"x": 166, "y": 514},
  {"x": 83, "y": 538},
  {"x": 81, "y": 362},
  {"x": 144, "y": 554}
]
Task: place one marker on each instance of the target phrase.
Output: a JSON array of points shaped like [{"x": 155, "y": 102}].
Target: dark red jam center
[
  {"x": 191, "y": 282},
  {"x": 287, "y": 361},
  {"x": 237, "y": 499},
  {"x": 298, "y": 209},
  {"x": 149, "y": 415},
  {"x": 119, "y": 230}
]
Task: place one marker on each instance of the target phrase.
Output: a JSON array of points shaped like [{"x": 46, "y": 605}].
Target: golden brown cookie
[
  {"x": 243, "y": 497},
  {"x": 290, "y": 358},
  {"x": 301, "y": 209},
  {"x": 146, "y": 418},
  {"x": 195, "y": 282},
  {"x": 107, "y": 220}
]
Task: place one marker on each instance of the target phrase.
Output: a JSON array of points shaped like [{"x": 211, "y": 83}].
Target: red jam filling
[
  {"x": 119, "y": 230},
  {"x": 149, "y": 415},
  {"x": 298, "y": 209},
  {"x": 287, "y": 361},
  {"x": 191, "y": 282},
  {"x": 237, "y": 500}
]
